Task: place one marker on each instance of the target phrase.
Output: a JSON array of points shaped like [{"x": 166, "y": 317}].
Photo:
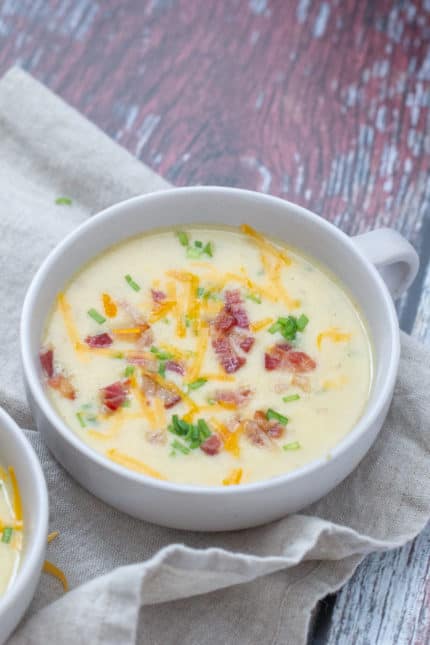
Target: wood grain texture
[{"x": 325, "y": 103}]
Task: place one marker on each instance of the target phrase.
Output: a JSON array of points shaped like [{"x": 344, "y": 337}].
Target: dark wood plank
[{"x": 325, "y": 103}]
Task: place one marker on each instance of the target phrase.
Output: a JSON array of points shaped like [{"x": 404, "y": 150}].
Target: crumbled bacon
[
  {"x": 302, "y": 382},
  {"x": 212, "y": 445},
  {"x": 232, "y": 297},
  {"x": 151, "y": 388},
  {"x": 114, "y": 395},
  {"x": 134, "y": 313},
  {"x": 228, "y": 358},
  {"x": 63, "y": 385},
  {"x": 282, "y": 356},
  {"x": 238, "y": 397},
  {"x": 261, "y": 430},
  {"x": 244, "y": 342},
  {"x": 47, "y": 362},
  {"x": 175, "y": 366},
  {"x": 150, "y": 364},
  {"x": 158, "y": 296},
  {"x": 224, "y": 321},
  {"x": 100, "y": 340},
  {"x": 146, "y": 338}
]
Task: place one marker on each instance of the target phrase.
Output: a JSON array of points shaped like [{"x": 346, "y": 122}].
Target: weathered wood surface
[{"x": 323, "y": 103}]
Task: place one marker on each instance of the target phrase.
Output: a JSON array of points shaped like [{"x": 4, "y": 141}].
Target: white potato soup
[
  {"x": 11, "y": 526},
  {"x": 207, "y": 356}
]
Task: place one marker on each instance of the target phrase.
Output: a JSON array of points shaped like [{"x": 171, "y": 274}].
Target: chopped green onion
[
  {"x": 129, "y": 371},
  {"x": 194, "y": 253},
  {"x": 272, "y": 414},
  {"x": 198, "y": 244},
  {"x": 81, "y": 420},
  {"x": 275, "y": 327},
  {"x": 295, "y": 445},
  {"x": 187, "y": 321},
  {"x": 126, "y": 403},
  {"x": 200, "y": 292},
  {"x": 203, "y": 428},
  {"x": 118, "y": 355},
  {"x": 177, "y": 445},
  {"x": 162, "y": 368},
  {"x": 208, "y": 249},
  {"x": 197, "y": 383},
  {"x": 291, "y": 397},
  {"x": 183, "y": 238},
  {"x": 166, "y": 321},
  {"x": 63, "y": 201},
  {"x": 7, "y": 534},
  {"x": 94, "y": 314},
  {"x": 211, "y": 401},
  {"x": 131, "y": 282},
  {"x": 254, "y": 297},
  {"x": 161, "y": 354},
  {"x": 302, "y": 322}
]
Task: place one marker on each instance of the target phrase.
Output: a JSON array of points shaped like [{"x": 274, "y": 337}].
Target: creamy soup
[
  {"x": 207, "y": 356},
  {"x": 10, "y": 528}
]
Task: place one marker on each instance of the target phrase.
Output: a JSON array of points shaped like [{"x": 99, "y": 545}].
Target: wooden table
[{"x": 324, "y": 103}]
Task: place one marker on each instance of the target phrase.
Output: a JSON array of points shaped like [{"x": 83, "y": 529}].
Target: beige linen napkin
[{"x": 136, "y": 582}]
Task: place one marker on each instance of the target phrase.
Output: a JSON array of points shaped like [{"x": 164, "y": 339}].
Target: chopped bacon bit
[
  {"x": 254, "y": 433},
  {"x": 151, "y": 388},
  {"x": 134, "y": 313},
  {"x": 232, "y": 297},
  {"x": 228, "y": 358},
  {"x": 246, "y": 344},
  {"x": 63, "y": 385},
  {"x": 114, "y": 395},
  {"x": 101, "y": 340},
  {"x": 260, "y": 429},
  {"x": 281, "y": 388},
  {"x": 282, "y": 356},
  {"x": 239, "y": 397},
  {"x": 224, "y": 321},
  {"x": 302, "y": 382},
  {"x": 150, "y": 364},
  {"x": 146, "y": 339},
  {"x": 156, "y": 436},
  {"x": 241, "y": 317},
  {"x": 158, "y": 296},
  {"x": 47, "y": 362},
  {"x": 212, "y": 445},
  {"x": 175, "y": 366}
]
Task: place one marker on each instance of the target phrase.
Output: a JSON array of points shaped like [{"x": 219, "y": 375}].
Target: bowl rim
[
  {"x": 89, "y": 227},
  {"x": 34, "y": 548}
]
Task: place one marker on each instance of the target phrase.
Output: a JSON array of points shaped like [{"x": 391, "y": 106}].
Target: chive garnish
[
  {"x": 162, "y": 368},
  {"x": 254, "y": 297},
  {"x": 291, "y": 397},
  {"x": 197, "y": 383},
  {"x": 272, "y": 414},
  {"x": 183, "y": 238},
  {"x": 126, "y": 403},
  {"x": 208, "y": 249},
  {"x": 129, "y": 371},
  {"x": 193, "y": 252},
  {"x": 118, "y": 355},
  {"x": 131, "y": 283},
  {"x": 302, "y": 322},
  {"x": 66, "y": 201},
  {"x": 200, "y": 292},
  {"x": 94, "y": 314},
  {"x": 289, "y": 326},
  {"x": 81, "y": 420},
  {"x": 198, "y": 244},
  {"x": 295, "y": 445},
  {"x": 193, "y": 435},
  {"x": 177, "y": 445},
  {"x": 161, "y": 354},
  {"x": 7, "y": 534}
]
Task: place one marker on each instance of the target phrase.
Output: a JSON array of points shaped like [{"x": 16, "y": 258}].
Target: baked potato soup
[
  {"x": 10, "y": 528},
  {"x": 207, "y": 355}
]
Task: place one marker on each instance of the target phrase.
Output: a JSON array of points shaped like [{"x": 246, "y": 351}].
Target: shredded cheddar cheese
[
  {"x": 334, "y": 334},
  {"x": 127, "y": 331},
  {"x": 134, "y": 464},
  {"x": 17, "y": 502},
  {"x": 69, "y": 323},
  {"x": 162, "y": 310},
  {"x": 109, "y": 306},
  {"x": 334, "y": 384},
  {"x": 264, "y": 244},
  {"x": 202, "y": 344},
  {"x": 233, "y": 477},
  {"x": 258, "y": 325},
  {"x": 52, "y": 570},
  {"x": 52, "y": 536}
]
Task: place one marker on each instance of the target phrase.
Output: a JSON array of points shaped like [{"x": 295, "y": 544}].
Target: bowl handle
[{"x": 393, "y": 256}]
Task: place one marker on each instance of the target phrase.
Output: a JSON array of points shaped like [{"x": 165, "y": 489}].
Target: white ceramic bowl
[
  {"x": 233, "y": 507},
  {"x": 16, "y": 451}
]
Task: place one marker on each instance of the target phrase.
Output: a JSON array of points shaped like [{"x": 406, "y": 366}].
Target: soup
[
  {"x": 207, "y": 355},
  {"x": 10, "y": 528}
]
